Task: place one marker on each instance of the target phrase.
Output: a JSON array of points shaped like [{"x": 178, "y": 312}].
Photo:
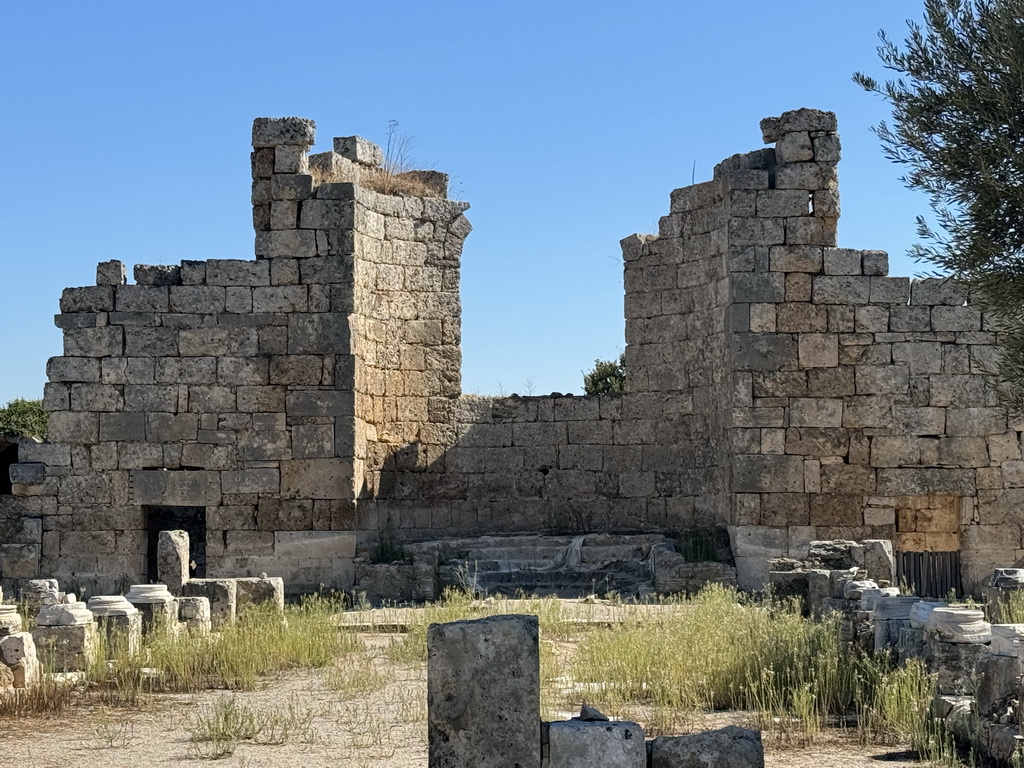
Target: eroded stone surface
[{"x": 483, "y": 693}]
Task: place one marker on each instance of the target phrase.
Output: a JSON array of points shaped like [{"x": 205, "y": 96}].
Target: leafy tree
[
  {"x": 24, "y": 418},
  {"x": 608, "y": 377},
  {"x": 958, "y": 128}
]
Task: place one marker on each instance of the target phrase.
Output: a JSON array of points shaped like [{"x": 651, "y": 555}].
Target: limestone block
[
  {"x": 936, "y": 291},
  {"x": 179, "y": 489},
  {"x": 956, "y": 319},
  {"x": 16, "y": 647},
  {"x": 999, "y": 681},
  {"x": 222, "y": 594},
  {"x": 10, "y": 620},
  {"x": 286, "y": 243},
  {"x": 956, "y": 665},
  {"x": 580, "y": 744},
  {"x": 890, "y": 290},
  {"x": 879, "y": 560},
  {"x": 841, "y": 289},
  {"x": 271, "y": 131},
  {"x": 172, "y": 559},
  {"x": 94, "y": 342},
  {"x": 111, "y": 273},
  {"x": 261, "y": 480},
  {"x": 314, "y": 544},
  {"x": 842, "y": 261},
  {"x": 794, "y": 148},
  {"x": 359, "y": 150},
  {"x": 816, "y": 412},
  {"x": 67, "y": 648},
  {"x": 729, "y": 747},
  {"x": 291, "y": 158},
  {"x": 826, "y": 148},
  {"x": 483, "y": 693},
  {"x": 123, "y": 633},
  {"x": 758, "y": 287},
  {"x": 763, "y": 352},
  {"x": 771, "y": 473},
  {"x": 28, "y": 474},
  {"x": 194, "y": 613},
  {"x": 237, "y": 272},
  {"x": 157, "y": 274},
  {"x": 259, "y": 590}
]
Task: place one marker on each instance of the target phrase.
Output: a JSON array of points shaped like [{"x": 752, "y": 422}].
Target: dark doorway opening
[
  {"x": 8, "y": 456},
  {"x": 930, "y": 574},
  {"x": 192, "y": 520}
]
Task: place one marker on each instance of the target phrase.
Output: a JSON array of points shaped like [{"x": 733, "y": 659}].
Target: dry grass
[
  {"x": 665, "y": 668},
  {"x": 381, "y": 180}
]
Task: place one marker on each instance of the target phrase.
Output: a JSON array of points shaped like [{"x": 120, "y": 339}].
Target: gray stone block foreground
[
  {"x": 578, "y": 744},
  {"x": 483, "y": 693},
  {"x": 729, "y": 747}
]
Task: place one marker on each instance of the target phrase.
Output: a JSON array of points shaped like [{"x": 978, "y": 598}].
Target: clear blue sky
[{"x": 125, "y": 135}]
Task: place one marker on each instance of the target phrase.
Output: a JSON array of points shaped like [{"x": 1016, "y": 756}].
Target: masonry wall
[{"x": 310, "y": 399}]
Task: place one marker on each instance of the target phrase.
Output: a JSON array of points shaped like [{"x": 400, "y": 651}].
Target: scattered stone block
[
  {"x": 259, "y": 590},
  {"x": 194, "y": 613},
  {"x": 67, "y": 648},
  {"x": 584, "y": 744},
  {"x": 222, "y": 594},
  {"x": 18, "y": 651},
  {"x": 729, "y": 747},
  {"x": 483, "y": 693}
]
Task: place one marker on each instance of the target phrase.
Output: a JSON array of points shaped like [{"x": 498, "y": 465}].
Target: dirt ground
[{"x": 374, "y": 729}]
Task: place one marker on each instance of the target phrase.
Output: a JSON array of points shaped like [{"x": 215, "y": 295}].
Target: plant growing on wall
[
  {"x": 608, "y": 377},
  {"x": 958, "y": 128},
  {"x": 24, "y": 418}
]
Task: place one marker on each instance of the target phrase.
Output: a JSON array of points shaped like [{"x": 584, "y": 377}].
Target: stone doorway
[
  {"x": 192, "y": 520},
  {"x": 8, "y": 456}
]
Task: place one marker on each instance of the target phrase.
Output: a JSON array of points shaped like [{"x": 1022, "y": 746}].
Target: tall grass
[{"x": 260, "y": 643}]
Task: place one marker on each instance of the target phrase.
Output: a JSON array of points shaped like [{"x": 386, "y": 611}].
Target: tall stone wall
[{"x": 300, "y": 404}]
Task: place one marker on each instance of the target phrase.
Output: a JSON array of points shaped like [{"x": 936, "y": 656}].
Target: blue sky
[{"x": 126, "y": 127}]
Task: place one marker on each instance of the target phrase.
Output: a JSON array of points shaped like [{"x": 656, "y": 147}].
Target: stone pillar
[
  {"x": 223, "y": 597},
  {"x": 65, "y": 635},
  {"x": 483, "y": 693},
  {"x": 280, "y": 182},
  {"x": 157, "y": 606},
  {"x": 119, "y": 621},
  {"x": 10, "y": 620},
  {"x": 172, "y": 559}
]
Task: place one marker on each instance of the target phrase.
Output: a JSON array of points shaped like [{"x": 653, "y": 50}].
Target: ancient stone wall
[{"x": 291, "y": 408}]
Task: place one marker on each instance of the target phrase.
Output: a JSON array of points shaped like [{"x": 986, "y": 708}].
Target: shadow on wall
[{"x": 557, "y": 465}]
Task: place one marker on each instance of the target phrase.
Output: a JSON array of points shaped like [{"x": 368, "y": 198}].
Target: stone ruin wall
[{"x": 306, "y": 400}]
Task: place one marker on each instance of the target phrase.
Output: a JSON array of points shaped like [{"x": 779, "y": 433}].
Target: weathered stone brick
[{"x": 756, "y": 474}]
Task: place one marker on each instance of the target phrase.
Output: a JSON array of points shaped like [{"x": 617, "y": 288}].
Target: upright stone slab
[
  {"x": 879, "y": 560},
  {"x": 483, "y": 693},
  {"x": 579, "y": 744},
  {"x": 172, "y": 559}
]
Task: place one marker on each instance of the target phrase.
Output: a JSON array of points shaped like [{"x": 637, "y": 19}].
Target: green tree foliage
[
  {"x": 608, "y": 377},
  {"x": 958, "y": 128},
  {"x": 24, "y": 418}
]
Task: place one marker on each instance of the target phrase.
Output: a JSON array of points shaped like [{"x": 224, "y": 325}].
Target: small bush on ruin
[
  {"x": 607, "y": 377},
  {"x": 24, "y": 418}
]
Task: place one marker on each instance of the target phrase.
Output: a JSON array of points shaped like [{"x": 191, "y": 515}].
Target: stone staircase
[{"x": 565, "y": 566}]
